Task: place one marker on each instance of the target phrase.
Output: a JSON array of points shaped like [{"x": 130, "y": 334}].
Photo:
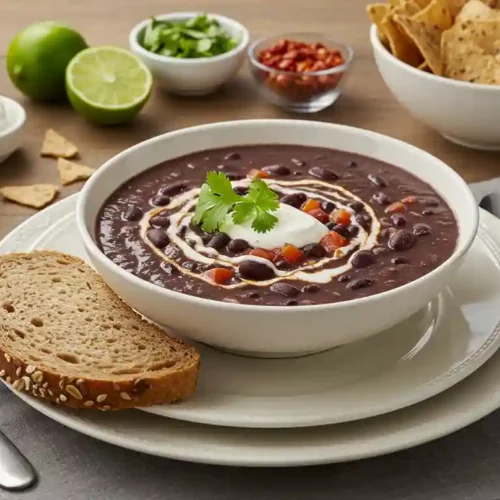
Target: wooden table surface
[{"x": 366, "y": 102}]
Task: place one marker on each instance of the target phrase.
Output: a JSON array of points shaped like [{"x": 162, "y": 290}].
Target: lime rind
[{"x": 109, "y": 78}]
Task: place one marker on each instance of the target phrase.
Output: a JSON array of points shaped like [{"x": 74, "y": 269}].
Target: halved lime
[{"x": 108, "y": 85}]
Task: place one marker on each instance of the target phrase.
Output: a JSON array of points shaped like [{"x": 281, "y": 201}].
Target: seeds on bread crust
[{"x": 55, "y": 374}]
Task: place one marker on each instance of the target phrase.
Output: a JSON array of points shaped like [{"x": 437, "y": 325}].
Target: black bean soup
[{"x": 383, "y": 227}]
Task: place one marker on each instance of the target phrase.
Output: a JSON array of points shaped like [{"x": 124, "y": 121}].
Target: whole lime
[{"x": 38, "y": 56}]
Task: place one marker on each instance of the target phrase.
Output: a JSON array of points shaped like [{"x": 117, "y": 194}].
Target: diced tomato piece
[
  {"x": 319, "y": 214},
  {"x": 220, "y": 275},
  {"x": 310, "y": 204},
  {"x": 261, "y": 252},
  {"x": 258, "y": 173},
  {"x": 292, "y": 254},
  {"x": 409, "y": 200},
  {"x": 397, "y": 206},
  {"x": 333, "y": 240},
  {"x": 342, "y": 217}
]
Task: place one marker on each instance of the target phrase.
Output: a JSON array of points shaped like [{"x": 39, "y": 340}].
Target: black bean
[
  {"x": 255, "y": 271},
  {"x": 132, "y": 213},
  {"x": 295, "y": 199},
  {"x": 353, "y": 231},
  {"x": 232, "y": 176},
  {"x": 172, "y": 251},
  {"x": 343, "y": 278},
  {"x": 219, "y": 241},
  {"x": 285, "y": 289},
  {"x": 242, "y": 191},
  {"x": 232, "y": 156},
  {"x": 311, "y": 289},
  {"x": 429, "y": 202},
  {"x": 157, "y": 237},
  {"x": 401, "y": 240},
  {"x": 206, "y": 237},
  {"x": 357, "y": 206},
  {"x": 359, "y": 283},
  {"x": 364, "y": 220},
  {"x": 387, "y": 233},
  {"x": 381, "y": 198},
  {"x": 342, "y": 230},
  {"x": 160, "y": 200},
  {"x": 237, "y": 246},
  {"x": 399, "y": 260},
  {"x": 277, "y": 170},
  {"x": 314, "y": 251},
  {"x": 328, "y": 206},
  {"x": 352, "y": 164},
  {"x": 421, "y": 229},
  {"x": 398, "y": 220},
  {"x": 362, "y": 258},
  {"x": 377, "y": 180},
  {"x": 182, "y": 231},
  {"x": 291, "y": 303},
  {"x": 428, "y": 211},
  {"x": 298, "y": 162},
  {"x": 173, "y": 189},
  {"x": 283, "y": 265},
  {"x": 324, "y": 174}
]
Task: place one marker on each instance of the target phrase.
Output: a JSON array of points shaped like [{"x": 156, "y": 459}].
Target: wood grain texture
[{"x": 366, "y": 102}]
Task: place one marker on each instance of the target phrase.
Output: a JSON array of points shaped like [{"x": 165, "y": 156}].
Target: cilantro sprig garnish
[{"x": 218, "y": 199}]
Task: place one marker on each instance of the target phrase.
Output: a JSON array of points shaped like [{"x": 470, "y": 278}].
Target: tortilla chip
[
  {"x": 424, "y": 67},
  {"x": 57, "y": 146},
  {"x": 476, "y": 10},
  {"x": 485, "y": 34},
  {"x": 401, "y": 46},
  {"x": 405, "y": 8},
  {"x": 71, "y": 172},
  {"x": 437, "y": 13},
  {"x": 376, "y": 13},
  {"x": 36, "y": 196},
  {"x": 427, "y": 38},
  {"x": 420, "y": 3}
]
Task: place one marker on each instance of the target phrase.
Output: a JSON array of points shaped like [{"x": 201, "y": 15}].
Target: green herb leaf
[
  {"x": 218, "y": 199},
  {"x": 195, "y": 38}
]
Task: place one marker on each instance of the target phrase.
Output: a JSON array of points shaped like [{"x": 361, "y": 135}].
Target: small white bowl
[
  {"x": 275, "y": 330},
  {"x": 10, "y": 137},
  {"x": 199, "y": 76},
  {"x": 464, "y": 113}
]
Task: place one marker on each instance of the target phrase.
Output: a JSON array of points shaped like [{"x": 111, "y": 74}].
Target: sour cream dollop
[{"x": 294, "y": 227}]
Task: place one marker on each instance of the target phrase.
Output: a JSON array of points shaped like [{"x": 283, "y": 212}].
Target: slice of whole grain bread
[{"x": 66, "y": 337}]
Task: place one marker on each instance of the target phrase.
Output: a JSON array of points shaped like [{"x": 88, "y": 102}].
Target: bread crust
[{"x": 138, "y": 390}]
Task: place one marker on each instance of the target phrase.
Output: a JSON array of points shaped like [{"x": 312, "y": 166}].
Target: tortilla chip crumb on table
[
  {"x": 70, "y": 171},
  {"x": 56, "y": 146},
  {"x": 35, "y": 196}
]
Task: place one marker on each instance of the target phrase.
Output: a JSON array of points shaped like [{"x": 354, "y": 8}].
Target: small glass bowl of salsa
[{"x": 301, "y": 72}]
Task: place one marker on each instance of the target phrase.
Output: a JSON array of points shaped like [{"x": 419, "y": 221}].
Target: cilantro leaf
[
  {"x": 217, "y": 199},
  {"x": 264, "y": 221},
  {"x": 262, "y": 196},
  {"x": 242, "y": 212}
]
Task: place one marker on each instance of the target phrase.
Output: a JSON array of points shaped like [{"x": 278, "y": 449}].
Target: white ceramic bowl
[
  {"x": 192, "y": 76},
  {"x": 275, "y": 330},
  {"x": 10, "y": 137},
  {"x": 464, "y": 113}
]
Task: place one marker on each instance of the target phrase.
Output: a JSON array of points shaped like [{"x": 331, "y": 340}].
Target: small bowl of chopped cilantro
[{"x": 190, "y": 53}]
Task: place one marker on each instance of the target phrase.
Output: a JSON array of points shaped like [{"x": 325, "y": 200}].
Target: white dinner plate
[
  {"x": 461, "y": 405},
  {"x": 435, "y": 349}
]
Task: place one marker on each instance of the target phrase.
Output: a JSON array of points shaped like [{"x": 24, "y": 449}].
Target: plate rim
[{"x": 409, "y": 435}]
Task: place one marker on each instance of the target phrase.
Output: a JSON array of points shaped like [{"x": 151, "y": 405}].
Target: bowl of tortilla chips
[{"x": 441, "y": 60}]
